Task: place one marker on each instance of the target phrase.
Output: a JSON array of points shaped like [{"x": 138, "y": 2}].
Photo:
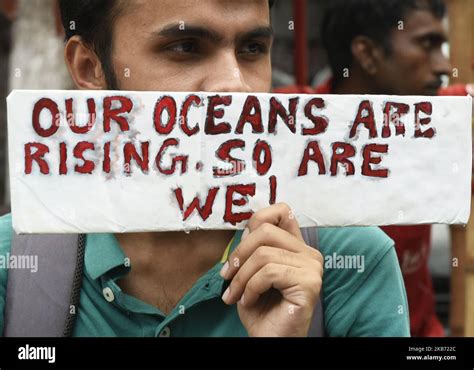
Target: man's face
[
  {"x": 416, "y": 63},
  {"x": 192, "y": 45}
]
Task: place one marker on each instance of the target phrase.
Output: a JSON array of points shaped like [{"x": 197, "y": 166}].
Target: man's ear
[
  {"x": 366, "y": 53},
  {"x": 84, "y": 65}
]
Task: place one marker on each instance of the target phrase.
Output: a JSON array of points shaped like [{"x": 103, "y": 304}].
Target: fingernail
[
  {"x": 224, "y": 269},
  {"x": 226, "y": 294},
  {"x": 245, "y": 233},
  {"x": 242, "y": 300}
]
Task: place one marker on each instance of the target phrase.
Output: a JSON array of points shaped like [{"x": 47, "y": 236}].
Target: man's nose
[
  {"x": 441, "y": 64},
  {"x": 225, "y": 75}
]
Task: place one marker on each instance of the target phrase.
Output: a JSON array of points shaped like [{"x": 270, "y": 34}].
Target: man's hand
[{"x": 275, "y": 277}]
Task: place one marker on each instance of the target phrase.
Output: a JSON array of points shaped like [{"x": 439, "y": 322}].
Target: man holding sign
[{"x": 262, "y": 281}]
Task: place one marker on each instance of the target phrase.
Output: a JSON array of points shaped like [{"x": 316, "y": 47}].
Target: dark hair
[
  {"x": 93, "y": 21},
  {"x": 346, "y": 19}
]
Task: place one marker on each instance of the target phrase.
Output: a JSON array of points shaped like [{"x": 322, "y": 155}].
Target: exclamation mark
[{"x": 273, "y": 188}]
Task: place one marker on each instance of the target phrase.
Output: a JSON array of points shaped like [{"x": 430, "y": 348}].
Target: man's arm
[
  {"x": 370, "y": 299},
  {"x": 380, "y": 308}
]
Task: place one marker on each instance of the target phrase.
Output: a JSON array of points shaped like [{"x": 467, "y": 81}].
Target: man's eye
[
  {"x": 430, "y": 43},
  {"x": 184, "y": 47},
  {"x": 253, "y": 48},
  {"x": 426, "y": 44}
]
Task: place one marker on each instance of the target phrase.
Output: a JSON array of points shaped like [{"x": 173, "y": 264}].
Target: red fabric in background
[
  {"x": 412, "y": 244},
  {"x": 413, "y": 247}
]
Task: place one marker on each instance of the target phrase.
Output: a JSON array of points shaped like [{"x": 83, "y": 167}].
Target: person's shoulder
[
  {"x": 371, "y": 242},
  {"x": 362, "y": 284},
  {"x": 350, "y": 253}
]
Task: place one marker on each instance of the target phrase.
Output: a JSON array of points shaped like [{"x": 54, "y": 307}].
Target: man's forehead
[
  {"x": 231, "y": 15},
  {"x": 422, "y": 21}
]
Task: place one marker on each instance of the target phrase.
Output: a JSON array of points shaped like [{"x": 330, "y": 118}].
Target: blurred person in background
[{"x": 392, "y": 47}]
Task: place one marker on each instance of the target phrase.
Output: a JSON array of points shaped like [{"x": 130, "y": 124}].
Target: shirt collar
[{"x": 103, "y": 254}]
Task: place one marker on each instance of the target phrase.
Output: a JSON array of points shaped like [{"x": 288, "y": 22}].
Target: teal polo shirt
[{"x": 357, "y": 302}]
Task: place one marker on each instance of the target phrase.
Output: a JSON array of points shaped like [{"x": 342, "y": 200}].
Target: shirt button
[
  {"x": 108, "y": 294},
  {"x": 166, "y": 332}
]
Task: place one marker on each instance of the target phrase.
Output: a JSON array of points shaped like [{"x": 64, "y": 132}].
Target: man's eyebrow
[
  {"x": 176, "y": 30},
  {"x": 438, "y": 36},
  {"x": 264, "y": 32}
]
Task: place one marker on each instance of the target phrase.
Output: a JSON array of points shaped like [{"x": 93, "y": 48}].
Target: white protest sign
[{"x": 116, "y": 161}]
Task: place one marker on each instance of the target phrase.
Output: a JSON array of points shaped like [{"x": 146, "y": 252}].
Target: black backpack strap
[
  {"x": 44, "y": 303},
  {"x": 310, "y": 235},
  {"x": 76, "y": 286}
]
